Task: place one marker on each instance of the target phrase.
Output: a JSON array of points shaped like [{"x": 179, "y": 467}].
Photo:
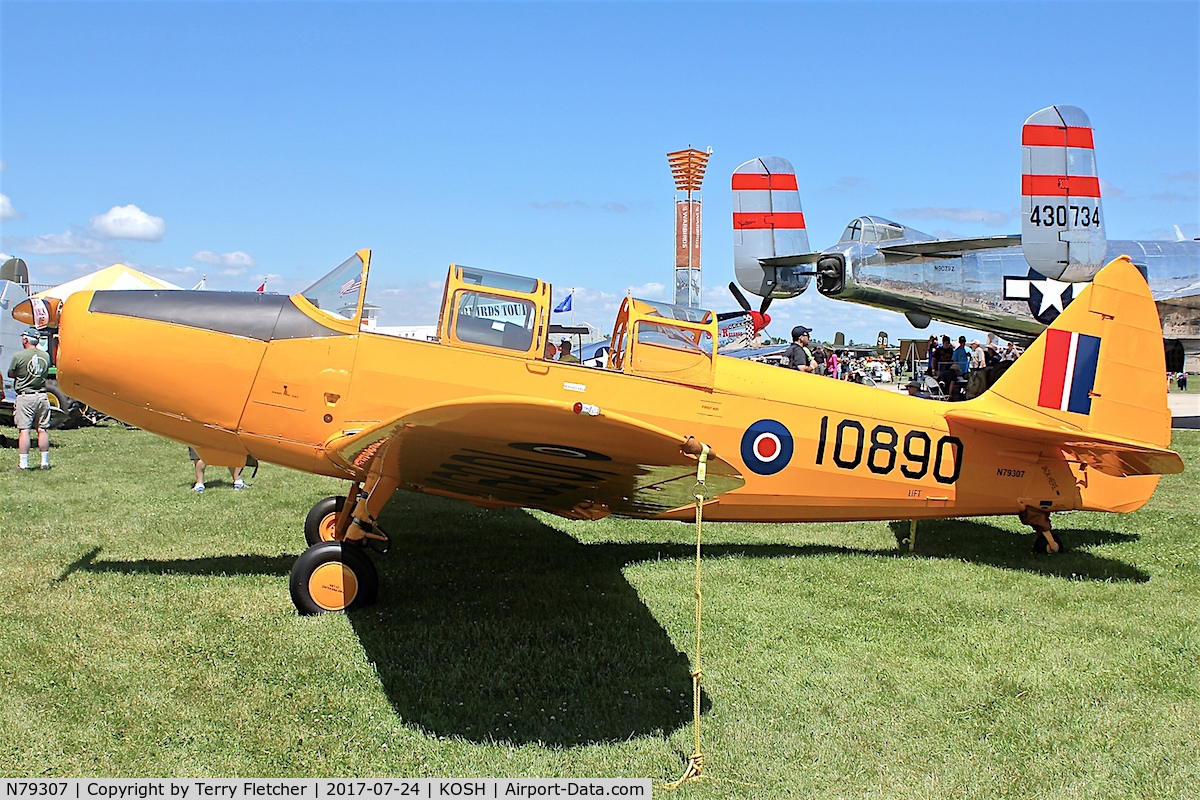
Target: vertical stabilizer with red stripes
[
  {"x": 1062, "y": 231},
  {"x": 767, "y": 220}
]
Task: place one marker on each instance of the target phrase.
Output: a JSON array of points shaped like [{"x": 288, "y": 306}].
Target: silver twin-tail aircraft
[{"x": 1013, "y": 285}]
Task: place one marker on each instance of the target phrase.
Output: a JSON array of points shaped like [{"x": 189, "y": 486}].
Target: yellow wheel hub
[
  {"x": 328, "y": 526},
  {"x": 333, "y": 586}
]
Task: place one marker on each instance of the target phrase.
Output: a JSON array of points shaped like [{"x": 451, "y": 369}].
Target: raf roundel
[{"x": 766, "y": 447}]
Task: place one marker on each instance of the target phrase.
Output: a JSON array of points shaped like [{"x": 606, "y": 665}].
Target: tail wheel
[
  {"x": 333, "y": 576},
  {"x": 321, "y": 521},
  {"x": 1047, "y": 542}
]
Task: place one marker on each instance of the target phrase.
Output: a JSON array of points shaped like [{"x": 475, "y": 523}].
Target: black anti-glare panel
[{"x": 250, "y": 314}]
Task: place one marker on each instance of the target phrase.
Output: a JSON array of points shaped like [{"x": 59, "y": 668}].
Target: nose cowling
[
  {"x": 167, "y": 362},
  {"x": 832, "y": 274}
]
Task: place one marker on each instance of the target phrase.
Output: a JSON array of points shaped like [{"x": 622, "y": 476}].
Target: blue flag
[{"x": 565, "y": 305}]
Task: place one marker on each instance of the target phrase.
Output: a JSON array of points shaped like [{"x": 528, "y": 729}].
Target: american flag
[{"x": 352, "y": 285}]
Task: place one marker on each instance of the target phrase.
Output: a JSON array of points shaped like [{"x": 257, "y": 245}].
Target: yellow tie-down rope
[{"x": 695, "y": 766}]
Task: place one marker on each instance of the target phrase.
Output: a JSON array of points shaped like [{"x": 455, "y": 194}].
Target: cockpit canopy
[{"x": 873, "y": 229}]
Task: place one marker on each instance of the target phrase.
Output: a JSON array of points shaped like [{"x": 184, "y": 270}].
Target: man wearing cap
[
  {"x": 565, "y": 356},
  {"x": 32, "y": 409},
  {"x": 978, "y": 357},
  {"x": 798, "y": 355}
]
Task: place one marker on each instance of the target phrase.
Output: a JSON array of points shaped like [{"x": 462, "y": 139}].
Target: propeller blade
[
  {"x": 737, "y": 295},
  {"x": 762, "y": 309}
]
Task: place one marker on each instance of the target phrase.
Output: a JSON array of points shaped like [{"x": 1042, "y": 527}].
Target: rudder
[{"x": 767, "y": 222}]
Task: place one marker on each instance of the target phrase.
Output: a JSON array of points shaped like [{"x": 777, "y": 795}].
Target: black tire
[
  {"x": 1041, "y": 544},
  {"x": 59, "y": 400},
  {"x": 319, "y": 587},
  {"x": 315, "y": 524}
]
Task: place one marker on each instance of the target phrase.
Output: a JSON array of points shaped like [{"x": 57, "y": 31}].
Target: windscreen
[
  {"x": 493, "y": 320},
  {"x": 683, "y": 313},
  {"x": 677, "y": 338},
  {"x": 497, "y": 280},
  {"x": 337, "y": 293}
]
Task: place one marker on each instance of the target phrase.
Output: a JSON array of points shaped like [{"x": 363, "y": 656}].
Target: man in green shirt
[
  {"x": 32, "y": 408},
  {"x": 565, "y": 353}
]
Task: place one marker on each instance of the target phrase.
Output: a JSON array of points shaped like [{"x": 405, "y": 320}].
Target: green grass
[{"x": 145, "y": 630}]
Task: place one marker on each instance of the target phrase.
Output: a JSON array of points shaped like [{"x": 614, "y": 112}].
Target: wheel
[
  {"x": 73, "y": 408},
  {"x": 321, "y": 519},
  {"x": 1041, "y": 544},
  {"x": 333, "y": 576}
]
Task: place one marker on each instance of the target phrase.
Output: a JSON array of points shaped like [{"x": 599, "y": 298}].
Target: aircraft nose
[{"x": 151, "y": 359}]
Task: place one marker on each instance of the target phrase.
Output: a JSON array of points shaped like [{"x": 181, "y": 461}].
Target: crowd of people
[
  {"x": 950, "y": 365},
  {"x": 953, "y": 367},
  {"x": 839, "y": 365}
]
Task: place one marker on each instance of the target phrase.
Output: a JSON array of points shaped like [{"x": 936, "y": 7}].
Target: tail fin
[
  {"x": 1062, "y": 234},
  {"x": 767, "y": 222},
  {"x": 1093, "y": 384}
]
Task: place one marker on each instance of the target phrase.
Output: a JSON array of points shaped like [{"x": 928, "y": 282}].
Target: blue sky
[{"x": 270, "y": 140}]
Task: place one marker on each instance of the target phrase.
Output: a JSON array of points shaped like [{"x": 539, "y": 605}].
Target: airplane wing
[
  {"x": 534, "y": 453},
  {"x": 939, "y": 247},
  {"x": 949, "y": 247},
  {"x": 755, "y": 352}
]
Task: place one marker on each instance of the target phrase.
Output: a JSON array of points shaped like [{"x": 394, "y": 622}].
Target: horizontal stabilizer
[
  {"x": 791, "y": 261},
  {"x": 1110, "y": 456}
]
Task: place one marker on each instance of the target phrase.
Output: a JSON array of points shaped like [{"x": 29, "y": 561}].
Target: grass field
[{"x": 147, "y": 631}]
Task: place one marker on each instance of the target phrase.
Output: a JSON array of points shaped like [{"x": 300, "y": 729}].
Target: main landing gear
[
  {"x": 1046, "y": 541},
  {"x": 333, "y": 576},
  {"x": 335, "y": 573}
]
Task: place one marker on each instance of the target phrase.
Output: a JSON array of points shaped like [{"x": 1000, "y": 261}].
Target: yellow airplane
[{"x": 1079, "y": 422}]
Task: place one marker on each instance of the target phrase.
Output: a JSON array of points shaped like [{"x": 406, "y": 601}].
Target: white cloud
[
  {"x": 846, "y": 184},
  {"x": 7, "y": 211},
  {"x": 72, "y": 241},
  {"x": 235, "y": 263},
  {"x": 129, "y": 222},
  {"x": 1109, "y": 191},
  {"x": 1173, "y": 197},
  {"x": 413, "y": 304},
  {"x": 993, "y": 219}
]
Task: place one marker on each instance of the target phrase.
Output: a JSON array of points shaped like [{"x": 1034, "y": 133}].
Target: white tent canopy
[{"x": 118, "y": 276}]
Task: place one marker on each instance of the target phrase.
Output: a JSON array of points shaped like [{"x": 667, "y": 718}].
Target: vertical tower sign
[{"x": 687, "y": 167}]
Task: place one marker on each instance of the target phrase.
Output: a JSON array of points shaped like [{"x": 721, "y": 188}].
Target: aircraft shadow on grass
[{"x": 493, "y": 626}]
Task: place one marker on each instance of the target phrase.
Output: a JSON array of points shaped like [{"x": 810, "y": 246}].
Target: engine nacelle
[{"x": 832, "y": 273}]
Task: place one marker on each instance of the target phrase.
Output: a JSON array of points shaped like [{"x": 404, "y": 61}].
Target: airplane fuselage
[
  {"x": 995, "y": 290},
  {"x": 268, "y": 378}
]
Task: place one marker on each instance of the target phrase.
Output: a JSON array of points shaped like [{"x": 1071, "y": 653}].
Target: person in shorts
[
  {"x": 28, "y": 370},
  {"x": 198, "y": 463}
]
